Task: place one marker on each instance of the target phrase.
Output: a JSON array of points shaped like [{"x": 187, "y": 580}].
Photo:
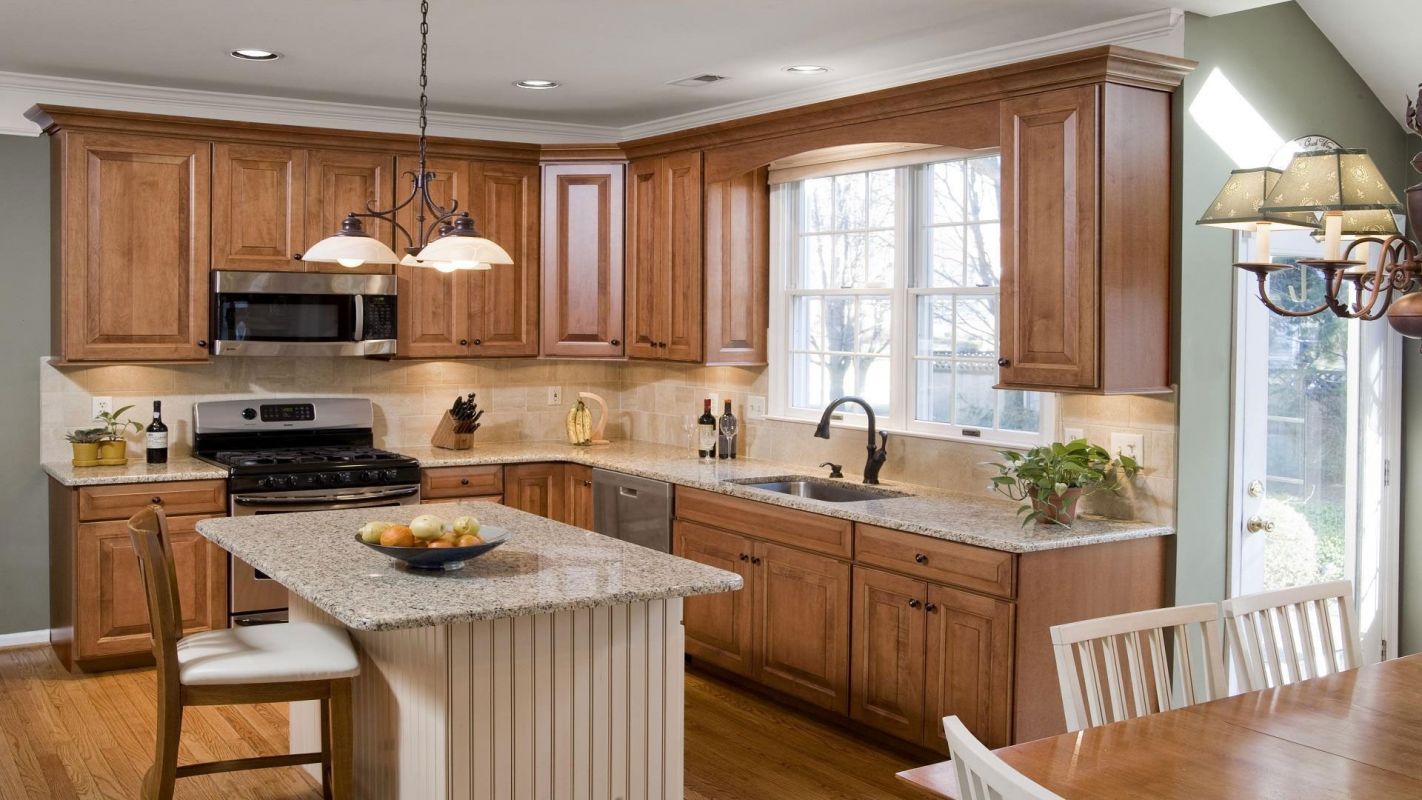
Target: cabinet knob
[
  {"x": 920, "y": 558},
  {"x": 745, "y": 557},
  {"x": 202, "y": 343},
  {"x": 615, "y": 342},
  {"x": 661, "y": 344},
  {"x": 297, "y": 256},
  {"x": 755, "y": 559},
  {"x": 930, "y": 607},
  {"x": 463, "y": 481},
  {"x": 478, "y": 341},
  {"x": 463, "y": 342},
  {"x": 156, "y": 500},
  {"x": 587, "y": 483},
  {"x": 1004, "y": 362},
  {"x": 913, "y": 602}
]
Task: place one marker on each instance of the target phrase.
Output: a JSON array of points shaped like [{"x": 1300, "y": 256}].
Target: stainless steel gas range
[{"x": 296, "y": 454}]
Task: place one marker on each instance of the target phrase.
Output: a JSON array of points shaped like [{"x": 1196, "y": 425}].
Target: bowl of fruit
[{"x": 428, "y": 542}]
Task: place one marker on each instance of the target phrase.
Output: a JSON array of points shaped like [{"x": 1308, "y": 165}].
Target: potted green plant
[
  {"x": 1056, "y": 476},
  {"x": 85, "y": 443},
  {"x": 113, "y": 449}
]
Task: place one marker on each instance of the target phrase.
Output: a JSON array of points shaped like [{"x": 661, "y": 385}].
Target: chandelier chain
[{"x": 424, "y": 77}]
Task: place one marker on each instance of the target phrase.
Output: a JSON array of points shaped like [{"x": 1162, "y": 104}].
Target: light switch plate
[
  {"x": 1129, "y": 444},
  {"x": 755, "y": 406},
  {"x": 555, "y": 395},
  {"x": 103, "y": 405},
  {"x": 1072, "y": 434}
]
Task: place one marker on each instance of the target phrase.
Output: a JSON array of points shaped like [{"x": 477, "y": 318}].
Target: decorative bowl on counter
[{"x": 443, "y": 558}]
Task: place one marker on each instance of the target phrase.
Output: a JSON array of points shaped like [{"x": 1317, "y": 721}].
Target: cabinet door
[
  {"x": 802, "y": 625},
  {"x": 258, "y": 207},
  {"x": 582, "y": 260},
  {"x": 133, "y": 242},
  {"x": 737, "y": 269},
  {"x": 887, "y": 672},
  {"x": 718, "y": 626},
  {"x": 504, "y": 300},
  {"x": 578, "y": 495},
  {"x": 647, "y": 268},
  {"x": 535, "y": 488},
  {"x": 434, "y": 305},
  {"x": 112, "y": 614},
  {"x": 969, "y": 665},
  {"x": 339, "y": 182},
  {"x": 1050, "y": 270},
  {"x": 681, "y": 220}
]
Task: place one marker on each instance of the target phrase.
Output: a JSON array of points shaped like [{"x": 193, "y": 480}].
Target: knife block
[{"x": 446, "y": 439}]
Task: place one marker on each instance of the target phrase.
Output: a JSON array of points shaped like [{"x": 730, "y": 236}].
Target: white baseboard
[{"x": 24, "y": 638}]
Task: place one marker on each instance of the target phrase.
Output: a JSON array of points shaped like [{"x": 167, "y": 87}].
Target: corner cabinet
[
  {"x": 583, "y": 260},
  {"x": 1086, "y": 240},
  {"x": 131, "y": 254},
  {"x": 664, "y": 227}
]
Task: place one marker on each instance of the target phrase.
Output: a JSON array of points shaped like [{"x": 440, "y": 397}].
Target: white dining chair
[
  {"x": 984, "y": 776},
  {"x": 1290, "y": 635},
  {"x": 1116, "y": 668}
]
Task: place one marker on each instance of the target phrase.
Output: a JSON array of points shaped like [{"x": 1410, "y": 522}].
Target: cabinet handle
[
  {"x": 930, "y": 607},
  {"x": 615, "y": 342},
  {"x": 1004, "y": 362},
  {"x": 297, "y": 256},
  {"x": 755, "y": 559},
  {"x": 745, "y": 557},
  {"x": 587, "y": 483},
  {"x": 463, "y": 342},
  {"x": 913, "y": 602},
  {"x": 463, "y": 481},
  {"x": 202, "y": 343},
  {"x": 661, "y": 344},
  {"x": 478, "y": 341},
  {"x": 920, "y": 558},
  {"x": 156, "y": 500}
]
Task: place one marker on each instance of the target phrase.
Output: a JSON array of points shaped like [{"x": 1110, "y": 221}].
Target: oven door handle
[{"x": 249, "y": 500}]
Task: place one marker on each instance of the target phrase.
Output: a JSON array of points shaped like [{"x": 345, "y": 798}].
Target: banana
[{"x": 579, "y": 424}]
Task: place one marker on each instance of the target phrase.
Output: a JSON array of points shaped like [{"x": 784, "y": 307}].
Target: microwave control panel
[{"x": 379, "y": 316}]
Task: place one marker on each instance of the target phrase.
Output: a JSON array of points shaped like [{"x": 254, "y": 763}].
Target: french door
[{"x": 1316, "y": 436}]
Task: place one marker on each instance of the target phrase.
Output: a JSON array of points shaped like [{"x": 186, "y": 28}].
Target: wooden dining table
[{"x": 1350, "y": 735}]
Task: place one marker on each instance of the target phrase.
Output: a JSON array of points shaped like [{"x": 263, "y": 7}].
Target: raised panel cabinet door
[
  {"x": 434, "y": 306},
  {"x": 737, "y": 280},
  {"x": 969, "y": 665},
  {"x": 133, "y": 247},
  {"x": 1050, "y": 268},
  {"x": 583, "y": 260},
  {"x": 802, "y": 625},
  {"x": 681, "y": 319},
  {"x": 111, "y": 618},
  {"x": 339, "y": 182},
  {"x": 258, "y": 207},
  {"x": 718, "y": 626},
  {"x": 648, "y": 254},
  {"x": 504, "y": 301},
  {"x": 887, "y": 666},
  {"x": 578, "y": 495},
  {"x": 535, "y": 488}
]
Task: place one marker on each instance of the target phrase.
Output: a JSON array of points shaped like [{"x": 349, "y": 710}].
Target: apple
[
  {"x": 370, "y": 531},
  {"x": 427, "y": 527},
  {"x": 466, "y": 526}
]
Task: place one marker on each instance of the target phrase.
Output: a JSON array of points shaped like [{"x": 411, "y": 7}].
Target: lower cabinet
[
  {"x": 718, "y": 626},
  {"x": 578, "y": 496},
  {"x": 889, "y": 653},
  {"x": 558, "y": 491}
]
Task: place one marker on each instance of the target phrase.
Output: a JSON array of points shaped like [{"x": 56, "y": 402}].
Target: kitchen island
[{"x": 550, "y": 667}]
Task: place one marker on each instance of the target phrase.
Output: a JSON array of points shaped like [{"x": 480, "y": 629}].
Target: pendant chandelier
[{"x": 450, "y": 241}]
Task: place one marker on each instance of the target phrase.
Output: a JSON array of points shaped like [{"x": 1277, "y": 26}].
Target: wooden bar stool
[{"x": 259, "y": 664}]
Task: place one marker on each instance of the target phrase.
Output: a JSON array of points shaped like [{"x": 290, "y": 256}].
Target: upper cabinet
[
  {"x": 737, "y": 264},
  {"x": 664, "y": 226},
  {"x": 339, "y": 182},
  {"x": 131, "y": 247},
  {"x": 1086, "y": 240},
  {"x": 582, "y": 260},
  {"x": 258, "y": 207}
]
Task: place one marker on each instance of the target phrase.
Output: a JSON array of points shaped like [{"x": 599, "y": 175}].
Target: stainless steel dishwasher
[{"x": 632, "y": 509}]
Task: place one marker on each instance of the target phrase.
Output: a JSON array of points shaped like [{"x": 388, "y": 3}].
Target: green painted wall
[
  {"x": 24, "y": 317},
  {"x": 1285, "y": 67}
]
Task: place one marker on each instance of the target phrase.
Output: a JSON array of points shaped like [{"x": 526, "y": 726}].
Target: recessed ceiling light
[
  {"x": 254, "y": 54},
  {"x": 536, "y": 83},
  {"x": 806, "y": 69}
]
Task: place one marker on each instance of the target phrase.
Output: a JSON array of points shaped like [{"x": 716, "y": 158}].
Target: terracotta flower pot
[
  {"x": 113, "y": 452},
  {"x": 1059, "y": 509},
  {"x": 86, "y": 454}
]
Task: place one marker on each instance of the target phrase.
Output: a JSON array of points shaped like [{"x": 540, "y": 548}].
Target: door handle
[
  {"x": 1256, "y": 523},
  {"x": 626, "y": 492},
  {"x": 914, "y": 603}
]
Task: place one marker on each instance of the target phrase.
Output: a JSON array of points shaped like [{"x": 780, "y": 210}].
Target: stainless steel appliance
[
  {"x": 296, "y": 454},
  {"x": 302, "y": 314},
  {"x": 633, "y": 509}
]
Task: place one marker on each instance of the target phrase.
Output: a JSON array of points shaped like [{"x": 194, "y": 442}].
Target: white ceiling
[
  {"x": 1379, "y": 38},
  {"x": 613, "y": 58}
]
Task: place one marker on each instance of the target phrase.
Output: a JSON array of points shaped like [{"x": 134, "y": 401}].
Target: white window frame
[{"x": 904, "y": 298}]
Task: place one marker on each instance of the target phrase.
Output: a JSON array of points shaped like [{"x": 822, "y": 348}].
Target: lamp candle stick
[
  {"x": 1261, "y": 241},
  {"x": 1333, "y": 235}
]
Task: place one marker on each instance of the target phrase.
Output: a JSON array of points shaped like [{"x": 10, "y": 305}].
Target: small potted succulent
[
  {"x": 1056, "y": 476},
  {"x": 113, "y": 448},
  {"x": 85, "y": 442}
]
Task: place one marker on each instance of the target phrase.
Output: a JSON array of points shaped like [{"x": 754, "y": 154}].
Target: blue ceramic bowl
[{"x": 443, "y": 558}]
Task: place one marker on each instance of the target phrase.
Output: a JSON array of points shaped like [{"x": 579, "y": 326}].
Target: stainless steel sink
[{"x": 829, "y": 491}]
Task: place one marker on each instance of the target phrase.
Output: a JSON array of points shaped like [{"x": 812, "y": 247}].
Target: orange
[
  {"x": 440, "y": 543},
  {"x": 469, "y": 540},
  {"x": 397, "y": 536}
]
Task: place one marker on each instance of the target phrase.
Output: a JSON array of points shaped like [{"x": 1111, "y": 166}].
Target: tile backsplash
[{"x": 646, "y": 402}]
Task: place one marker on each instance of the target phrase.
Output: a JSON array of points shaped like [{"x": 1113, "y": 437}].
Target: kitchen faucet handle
[
  {"x": 883, "y": 441},
  {"x": 835, "y": 469}
]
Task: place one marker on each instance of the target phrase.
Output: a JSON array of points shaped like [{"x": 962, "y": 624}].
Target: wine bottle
[
  {"x": 157, "y": 436},
  {"x": 726, "y": 442},
  {"x": 706, "y": 432}
]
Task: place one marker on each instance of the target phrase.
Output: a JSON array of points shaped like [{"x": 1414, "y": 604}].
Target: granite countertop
[
  {"x": 545, "y": 566},
  {"x": 136, "y": 471}
]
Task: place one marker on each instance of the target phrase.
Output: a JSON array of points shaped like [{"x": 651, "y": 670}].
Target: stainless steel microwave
[{"x": 302, "y": 313}]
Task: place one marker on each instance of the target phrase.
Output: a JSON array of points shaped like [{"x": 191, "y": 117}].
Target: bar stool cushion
[{"x": 283, "y": 653}]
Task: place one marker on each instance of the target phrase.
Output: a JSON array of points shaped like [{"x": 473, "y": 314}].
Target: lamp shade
[
  {"x": 1378, "y": 222},
  {"x": 351, "y": 247},
  {"x": 443, "y": 266},
  {"x": 462, "y": 244},
  {"x": 1336, "y": 179},
  {"x": 1238, "y": 205}
]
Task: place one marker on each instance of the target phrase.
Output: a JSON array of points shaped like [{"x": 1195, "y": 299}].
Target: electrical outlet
[
  {"x": 103, "y": 405},
  {"x": 555, "y": 395},
  {"x": 1129, "y": 444},
  {"x": 755, "y": 406},
  {"x": 1072, "y": 434}
]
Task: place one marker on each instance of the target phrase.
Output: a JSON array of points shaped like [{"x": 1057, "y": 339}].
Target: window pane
[
  {"x": 984, "y": 254},
  {"x": 977, "y": 327},
  {"x": 875, "y": 325},
  {"x": 874, "y": 380},
  {"x": 935, "y": 325},
  {"x": 946, "y": 203},
  {"x": 935, "y": 391},
  {"x": 1019, "y": 411},
  {"x": 945, "y": 257},
  {"x": 879, "y": 260},
  {"x": 807, "y": 326},
  {"x": 883, "y": 198},
  {"x": 849, "y": 192},
  {"x": 839, "y": 324},
  {"x": 981, "y": 196},
  {"x": 974, "y": 398},
  {"x": 817, "y": 209}
]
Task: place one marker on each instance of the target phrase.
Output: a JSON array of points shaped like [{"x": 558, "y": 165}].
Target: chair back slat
[
  {"x": 1288, "y": 635},
  {"x": 984, "y": 776},
  {"x": 1116, "y": 643},
  {"x": 148, "y": 531}
]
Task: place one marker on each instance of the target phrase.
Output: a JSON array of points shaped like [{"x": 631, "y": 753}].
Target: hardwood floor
[{"x": 91, "y": 736}]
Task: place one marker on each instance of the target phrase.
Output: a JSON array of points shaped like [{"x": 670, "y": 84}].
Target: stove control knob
[
  {"x": 345, "y": 477},
  {"x": 370, "y": 474},
  {"x": 249, "y": 413},
  {"x": 264, "y": 483},
  {"x": 278, "y": 481},
  {"x": 390, "y": 475}
]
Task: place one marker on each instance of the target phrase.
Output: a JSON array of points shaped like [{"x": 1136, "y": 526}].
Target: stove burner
[{"x": 313, "y": 455}]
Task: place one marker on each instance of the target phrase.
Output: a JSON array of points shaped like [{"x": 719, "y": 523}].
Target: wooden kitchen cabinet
[
  {"x": 890, "y": 653},
  {"x": 131, "y": 255},
  {"x": 536, "y": 488},
  {"x": 258, "y": 207},
  {"x": 582, "y": 225},
  {"x": 664, "y": 226},
  {"x": 434, "y": 306},
  {"x": 1085, "y": 294},
  {"x": 342, "y": 181},
  {"x": 442, "y": 484},
  {"x": 802, "y": 624},
  {"x": 718, "y": 626},
  {"x": 737, "y": 265},
  {"x": 969, "y": 668},
  {"x": 578, "y": 496}
]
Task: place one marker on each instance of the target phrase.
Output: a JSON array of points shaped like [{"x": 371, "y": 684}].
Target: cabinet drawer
[
  {"x": 483, "y": 498},
  {"x": 766, "y": 521},
  {"x": 976, "y": 568},
  {"x": 439, "y": 482},
  {"x": 121, "y": 501}
]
